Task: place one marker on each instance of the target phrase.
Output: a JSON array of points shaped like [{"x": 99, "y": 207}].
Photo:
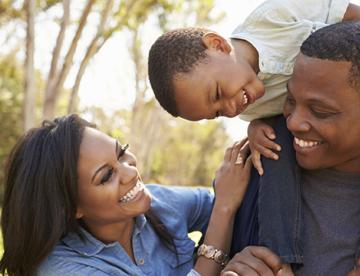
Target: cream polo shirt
[{"x": 277, "y": 29}]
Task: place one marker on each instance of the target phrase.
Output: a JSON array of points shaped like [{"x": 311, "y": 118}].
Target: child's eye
[
  {"x": 218, "y": 95},
  {"x": 107, "y": 176}
]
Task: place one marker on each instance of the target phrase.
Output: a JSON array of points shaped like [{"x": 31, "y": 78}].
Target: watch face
[
  {"x": 219, "y": 257},
  {"x": 209, "y": 252}
]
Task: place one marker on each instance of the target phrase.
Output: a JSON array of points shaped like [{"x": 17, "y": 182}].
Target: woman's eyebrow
[{"x": 97, "y": 171}]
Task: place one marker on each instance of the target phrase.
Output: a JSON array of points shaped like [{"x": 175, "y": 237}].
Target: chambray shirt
[
  {"x": 276, "y": 29},
  {"x": 182, "y": 210}
]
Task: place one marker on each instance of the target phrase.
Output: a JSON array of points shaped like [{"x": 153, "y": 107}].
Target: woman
[{"x": 75, "y": 204}]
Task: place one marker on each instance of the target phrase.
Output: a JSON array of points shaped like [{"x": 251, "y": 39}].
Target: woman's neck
[{"x": 120, "y": 232}]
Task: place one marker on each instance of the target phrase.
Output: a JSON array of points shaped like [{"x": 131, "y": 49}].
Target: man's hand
[{"x": 253, "y": 261}]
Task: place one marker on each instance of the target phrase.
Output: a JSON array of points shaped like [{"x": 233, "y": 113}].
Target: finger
[
  {"x": 256, "y": 160},
  {"x": 240, "y": 147},
  {"x": 267, "y": 152},
  {"x": 285, "y": 271},
  {"x": 267, "y": 143},
  {"x": 242, "y": 269},
  {"x": 229, "y": 273},
  {"x": 267, "y": 256},
  {"x": 269, "y": 132},
  {"x": 227, "y": 155}
]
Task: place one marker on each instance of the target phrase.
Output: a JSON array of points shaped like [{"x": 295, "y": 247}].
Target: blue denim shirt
[
  {"x": 271, "y": 212},
  {"x": 182, "y": 210}
]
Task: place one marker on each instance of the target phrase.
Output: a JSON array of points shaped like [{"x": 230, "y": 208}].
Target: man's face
[
  {"x": 323, "y": 114},
  {"x": 217, "y": 86}
]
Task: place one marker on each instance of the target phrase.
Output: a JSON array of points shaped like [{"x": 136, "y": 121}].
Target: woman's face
[{"x": 110, "y": 190}]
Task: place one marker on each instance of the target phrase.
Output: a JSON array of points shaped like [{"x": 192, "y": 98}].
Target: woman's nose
[{"x": 127, "y": 172}]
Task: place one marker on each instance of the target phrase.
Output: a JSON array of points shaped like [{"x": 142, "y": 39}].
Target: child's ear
[
  {"x": 79, "y": 214},
  {"x": 215, "y": 41}
]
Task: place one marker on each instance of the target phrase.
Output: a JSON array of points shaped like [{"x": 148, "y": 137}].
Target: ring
[{"x": 239, "y": 159}]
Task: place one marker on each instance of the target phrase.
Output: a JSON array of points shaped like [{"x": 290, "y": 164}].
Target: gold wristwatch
[{"x": 210, "y": 252}]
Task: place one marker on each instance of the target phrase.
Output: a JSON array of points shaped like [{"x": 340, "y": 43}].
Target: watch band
[{"x": 210, "y": 252}]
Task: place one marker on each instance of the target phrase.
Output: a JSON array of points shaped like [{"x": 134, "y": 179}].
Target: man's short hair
[
  {"x": 174, "y": 52},
  {"x": 337, "y": 42}
]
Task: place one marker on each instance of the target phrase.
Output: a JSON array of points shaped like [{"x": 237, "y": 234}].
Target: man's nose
[{"x": 297, "y": 122}]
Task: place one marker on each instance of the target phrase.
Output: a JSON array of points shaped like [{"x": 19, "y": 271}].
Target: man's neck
[{"x": 244, "y": 51}]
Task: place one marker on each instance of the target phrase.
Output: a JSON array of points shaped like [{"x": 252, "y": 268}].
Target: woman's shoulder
[{"x": 178, "y": 196}]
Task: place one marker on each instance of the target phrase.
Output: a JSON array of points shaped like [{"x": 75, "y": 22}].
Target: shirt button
[{"x": 141, "y": 261}]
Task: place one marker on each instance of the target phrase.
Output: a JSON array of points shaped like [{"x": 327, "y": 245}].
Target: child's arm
[
  {"x": 352, "y": 13},
  {"x": 261, "y": 136}
]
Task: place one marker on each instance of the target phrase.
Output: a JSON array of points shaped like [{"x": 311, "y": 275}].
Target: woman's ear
[{"x": 215, "y": 41}]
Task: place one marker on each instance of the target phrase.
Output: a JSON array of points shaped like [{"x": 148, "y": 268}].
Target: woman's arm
[{"x": 230, "y": 187}]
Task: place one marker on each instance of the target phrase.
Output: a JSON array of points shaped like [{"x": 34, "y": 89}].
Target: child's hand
[
  {"x": 260, "y": 136},
  {"x": 233, "y": 176}
]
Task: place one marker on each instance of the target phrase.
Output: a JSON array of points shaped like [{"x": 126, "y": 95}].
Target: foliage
[
  {"x": 10, "y": 107},
  {"x": 169, "y": 150}
]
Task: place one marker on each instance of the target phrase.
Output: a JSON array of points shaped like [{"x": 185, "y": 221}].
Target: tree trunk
[
  {"x": 51, "y": 80},
  {"x": 29, "y": 83},
  {"x": 91, "y": 51},
  {"x": 52, "y": 96}
]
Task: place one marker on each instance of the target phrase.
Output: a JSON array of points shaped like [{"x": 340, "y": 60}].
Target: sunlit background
[{"x": 108, "y": 84}]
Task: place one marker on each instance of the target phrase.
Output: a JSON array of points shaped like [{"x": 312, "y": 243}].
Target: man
[{"x": 308, "y": 213}]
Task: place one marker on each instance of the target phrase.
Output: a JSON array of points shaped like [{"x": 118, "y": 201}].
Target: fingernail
[
  {"x": 272, "y": 136},
  {"x": 275, "y": 157},
  {"x": 278, "y": 148}
]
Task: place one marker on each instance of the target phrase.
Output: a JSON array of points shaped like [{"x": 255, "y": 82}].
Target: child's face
[{"x": 217, "y": 86}]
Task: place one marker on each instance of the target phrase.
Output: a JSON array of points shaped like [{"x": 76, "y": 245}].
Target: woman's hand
[{"x": 233, "y": 176}]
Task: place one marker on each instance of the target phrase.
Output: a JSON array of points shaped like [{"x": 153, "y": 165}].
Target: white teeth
[
  {"x": 132, "y": 193},
  {"x": 245, "y": 100},
  {"x": 305, "y": 144}
]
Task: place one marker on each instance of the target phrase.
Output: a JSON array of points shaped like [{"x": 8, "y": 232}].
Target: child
[{"x": 197, "y": 74}]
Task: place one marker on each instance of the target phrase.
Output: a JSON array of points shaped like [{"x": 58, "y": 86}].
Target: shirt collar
[{"x": 89, "y": 245}]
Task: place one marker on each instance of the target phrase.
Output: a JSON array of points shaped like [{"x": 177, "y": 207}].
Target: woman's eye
[{"x": 107, "y": 176}]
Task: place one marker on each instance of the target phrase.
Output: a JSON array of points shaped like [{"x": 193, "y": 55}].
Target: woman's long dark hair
[{"x": 41, "y": 192}]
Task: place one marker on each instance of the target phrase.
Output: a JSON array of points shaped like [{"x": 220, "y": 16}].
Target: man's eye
[
  {"x": 107, "y": 176},
  {"x": 321, "y": 115}
]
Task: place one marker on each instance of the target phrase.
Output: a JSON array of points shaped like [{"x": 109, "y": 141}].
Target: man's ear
[{"x": 215, "y": 41}]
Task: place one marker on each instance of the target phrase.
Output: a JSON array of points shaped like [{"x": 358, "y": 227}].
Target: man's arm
[{"x": 352, "y": 13}]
